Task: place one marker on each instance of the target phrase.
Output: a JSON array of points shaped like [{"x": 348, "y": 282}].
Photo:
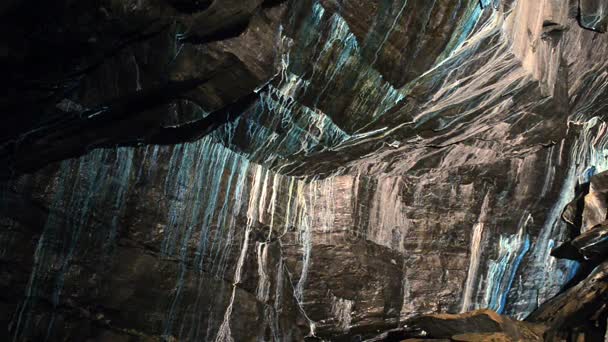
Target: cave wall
[{"x": 407, "y": 158}]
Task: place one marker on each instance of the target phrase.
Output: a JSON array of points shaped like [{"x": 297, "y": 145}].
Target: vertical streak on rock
[
  {"x": 262, "y": 201},
  {"x": 188, "y": 221},
  {"x": 263, "y": 287},
  {"x": 216, "y": 157},
  {"x": 224, "y": 221},
  {"x": 388, "y": 32},
  {"x": 502, "y": 271},
  {"x": 40, "y": 256},
  {"x": 137, "y": 73},
  {"x": 84, "y": 185},
  {"x": 289, "y": 204},
  {"x": 175, "y": 190},
  {"x": 124, "y": 158},
  {"x": 475, "y": 255},
  {"x": 276, "y": 181},
  {"x": 543, "y": 274},
  {"x": 387, "y": 214},
  {"x": 239, "y": 194},
  {"x": 270, "y": 316},
  {"x": 550, "y": 173},
  {"x": 224, "y": 334},
  {"x": 341, "y": 34},
  {"x": 305, "y": 237}
]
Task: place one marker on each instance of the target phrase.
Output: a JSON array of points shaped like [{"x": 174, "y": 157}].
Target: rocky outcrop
[
  {"x": 593, "y": 14},
  {"x": 590, "y": 245},
  {"x": 596, "y": 203},
  {"x": 303, "y": 170},
  {"x": 577, "y": 307},
  {"x": 481, "y": 325},
  {"x": 582, "y": 306}
]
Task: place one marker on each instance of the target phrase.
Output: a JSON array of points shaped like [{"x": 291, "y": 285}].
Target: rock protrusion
[
  {"x": 583, "y": 304},
  {"x": 479, "y": 325}
]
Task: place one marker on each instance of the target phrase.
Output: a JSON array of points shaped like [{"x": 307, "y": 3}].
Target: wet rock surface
[{"x": 303, "y": 171}]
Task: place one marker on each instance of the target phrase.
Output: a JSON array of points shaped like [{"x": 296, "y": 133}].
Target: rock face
[
  {"x": 481, "y": 325},
  {"x": 583, "y": 304},
  {"x": 595, "y": 207},
  {"x": 304, "y": 170},
  {"x": 593, "y": 14}
]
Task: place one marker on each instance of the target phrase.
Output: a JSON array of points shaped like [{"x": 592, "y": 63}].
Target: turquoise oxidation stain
[
  {"x": 502, "y": 271},
  {"x": 205, "y": 182},
  {"x": 485, "y": 3},
  {"x": 335, "y": 55},
  {"x": 277, "y": 127},
  {"x": 590, "y": 172},
  {"x": 212, "y": 186},
  {"x": 198, "y": 175},
  {"x": 346, "y": 42},
  {"x": 544, "y": 275},
  {"x": 473, "y": 18},
  {"x": 327, "y": 40},
  {"x": 100, "y": 179}
]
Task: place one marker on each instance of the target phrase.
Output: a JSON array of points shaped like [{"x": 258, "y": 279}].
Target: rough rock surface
[
  {"x": 304, "y": 169},
  {"x": 594, "y": 14},
  {"x": 596, "y": 202},
  {"x": 481, "y": 325}
]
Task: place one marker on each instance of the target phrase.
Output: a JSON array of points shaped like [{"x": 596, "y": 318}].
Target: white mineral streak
[
  {"x": 263, "y": 288},
  {"x": 389, "y": 32},
  {"x": 276, "y": 181},
  {"x": 475, "y": 252},
  {"x": 342, "y": 310},
  {"x": 329, "y": 205},
  {"x": 305, "y": 239},
  {"x": 225, "y": 334},
  {"x": 387, "y": 215},
  {"x": 550, "y": 172}
]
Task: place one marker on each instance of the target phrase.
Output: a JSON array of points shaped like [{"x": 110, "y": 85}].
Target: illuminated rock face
[{"x": 407, "y": 158}]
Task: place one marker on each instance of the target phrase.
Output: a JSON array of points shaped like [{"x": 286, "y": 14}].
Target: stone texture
[
  {"x": 592, "y": 244},
  {"x": 580, "y": 309},
  {"x": 587, "y": 214},
  {"x": 397, "y": 159},
  {"x": 593, "y": 14},
  {"x": 595, "y": 211},
  {"x": 488, "y": 337},
  {"x": 575, "y": 305},
  {"x": 481, "y": 325}
]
